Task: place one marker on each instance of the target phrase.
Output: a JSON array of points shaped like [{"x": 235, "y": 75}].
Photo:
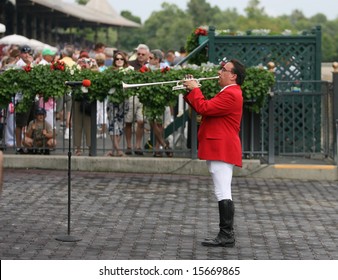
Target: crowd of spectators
[{"x": 113, "y": 120}]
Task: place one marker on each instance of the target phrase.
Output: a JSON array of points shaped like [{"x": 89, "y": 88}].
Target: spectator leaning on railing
[
  {"x": 135, "y": 106},
  {"x": 116, "y": 111}
]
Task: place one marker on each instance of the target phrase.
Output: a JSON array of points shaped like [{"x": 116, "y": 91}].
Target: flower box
[{"x": 201, "y": 39}]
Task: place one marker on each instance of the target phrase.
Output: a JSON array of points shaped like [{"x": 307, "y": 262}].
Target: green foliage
[
  {"x": 167, "y": 29},
  {"x": 108, "y": 84},
  {"x": 82, "y": 2},
  {"x": 129, "y": 38},
  {"x": 193, "y": 42},
  {"x": 257, "y": 84},
  {"x": 130, "y": 16},
  {"x": 203, "y": 13},
  {"x": 9, "y": 85},
  {"x": 42, "y": 79}
]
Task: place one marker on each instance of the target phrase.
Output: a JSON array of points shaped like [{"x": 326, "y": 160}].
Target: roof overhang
[{"x": 66, "y": 14}]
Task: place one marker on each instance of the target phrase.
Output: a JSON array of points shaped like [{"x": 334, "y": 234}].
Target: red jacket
[{"x": 218, "y": 135}]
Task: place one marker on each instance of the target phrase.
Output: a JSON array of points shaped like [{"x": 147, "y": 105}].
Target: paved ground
[{"x": 144, "y": 216}]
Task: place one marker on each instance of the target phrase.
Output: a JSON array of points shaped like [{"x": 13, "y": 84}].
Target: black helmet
[{"x": 40, "y": 111}]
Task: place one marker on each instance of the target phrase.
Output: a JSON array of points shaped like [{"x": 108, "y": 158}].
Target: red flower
[
  {"x": 165, "y": 69},
  {"x": 27, "y": 68},
  {"x": 58, "y": 65},
  {"x": 144, "y": 69},
  {"x": 201, "y": 32}
]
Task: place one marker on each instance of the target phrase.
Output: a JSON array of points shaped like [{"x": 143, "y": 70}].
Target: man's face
[
  {"x": 142, "y": 56},
  {"x": 40, "y": 117},
  {"x": 226, "y": 76},
  {"x": 100, "y": 50},
  {"x": 170, "y": 57},
  {"x": 153, "y": 60},
  {"x": 25, "y": 56},
  {"x": 48, "y": 58}
]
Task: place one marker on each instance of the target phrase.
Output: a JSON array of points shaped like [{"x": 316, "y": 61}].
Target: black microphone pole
[{"x": 68, "y": 237}]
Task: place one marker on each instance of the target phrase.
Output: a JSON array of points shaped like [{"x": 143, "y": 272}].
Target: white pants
[{"x": 221, "y": 173}]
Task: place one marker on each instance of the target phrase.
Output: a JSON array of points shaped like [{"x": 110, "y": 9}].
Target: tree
[
  {"x": 329, "y": 41},
  {"x": 129, "y": 38},
  {"x": 227, "y": 19},
  {"x": 296, "y": 16},
  {"x": 168, "y": 28},
  {"x": 253, "y": 11},
  {"x": 82, "y": 2},
  {"x": 202, "y": 13}
]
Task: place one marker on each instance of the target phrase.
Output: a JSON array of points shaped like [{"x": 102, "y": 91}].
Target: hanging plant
[{"x": 193, "y": 42}]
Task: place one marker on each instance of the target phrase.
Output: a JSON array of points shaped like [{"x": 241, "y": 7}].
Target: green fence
[
  {"x": 296, "y": 57},
  {"x": 297, "y": 121}
]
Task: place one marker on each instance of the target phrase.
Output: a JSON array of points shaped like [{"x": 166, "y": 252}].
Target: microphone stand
[{"x": 68, "y": 237}]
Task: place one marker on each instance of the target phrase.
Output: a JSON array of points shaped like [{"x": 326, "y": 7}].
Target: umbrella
[
  {"x": 2, "y": 28},
  {"x": 35, "y": 44},
  {"x": 39, "y": 46},
  {"x": 14, "y": 40}
]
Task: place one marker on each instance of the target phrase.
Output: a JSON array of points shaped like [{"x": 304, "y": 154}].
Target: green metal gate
[
  {"x": 297, "y": 62},
  {"x": 295, "y": 57}
]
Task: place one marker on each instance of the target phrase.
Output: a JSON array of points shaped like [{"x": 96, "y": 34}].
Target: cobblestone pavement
[{"x": 145, "y": 216}]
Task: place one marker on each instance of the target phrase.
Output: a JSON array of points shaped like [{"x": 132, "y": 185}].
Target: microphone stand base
[{"x": 68, "y": 238}]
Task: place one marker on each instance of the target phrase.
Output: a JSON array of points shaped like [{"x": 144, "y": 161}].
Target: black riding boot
[{"x": 226, "y": 236}]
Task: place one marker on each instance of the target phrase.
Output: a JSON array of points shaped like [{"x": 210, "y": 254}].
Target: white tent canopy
[
  {"x": 14, "y": 39},
  {"x": 39, "y": 46},
  {"x": 2, "y": 28},
  {"x": 20, "y": 40}
]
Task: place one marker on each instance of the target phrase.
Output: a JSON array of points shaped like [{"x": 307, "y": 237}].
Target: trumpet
[{"x": 179, "y": 83}]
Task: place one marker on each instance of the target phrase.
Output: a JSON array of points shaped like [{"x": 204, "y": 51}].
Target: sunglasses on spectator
[
  {"x": 119, "y": 58},
  {"x": 143, "y": 54}
]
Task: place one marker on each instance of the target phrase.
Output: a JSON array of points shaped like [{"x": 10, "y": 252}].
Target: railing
[
  {"x": 301, "y": 120},
  {"x": 298, "y": 120}
]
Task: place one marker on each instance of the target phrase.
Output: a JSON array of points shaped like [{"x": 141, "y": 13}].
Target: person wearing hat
[
  {"x": 50, "y": 105},
  {"x": 47, "y": 57},
  {"x": 39, "y": 134},
  {"x": 67, "y": 54},
  {"x": 83, "y": 54},
  {"x": 26, "y": 57}
]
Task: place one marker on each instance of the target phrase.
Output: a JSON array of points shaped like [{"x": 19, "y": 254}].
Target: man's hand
[{"x": 190, "y": 83}]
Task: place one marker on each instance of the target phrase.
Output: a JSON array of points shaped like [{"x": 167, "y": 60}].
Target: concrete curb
[{"x": 251, "y": 168}]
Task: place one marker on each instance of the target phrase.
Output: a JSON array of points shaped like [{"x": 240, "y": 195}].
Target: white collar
[{"x": 228, "y": 86}]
